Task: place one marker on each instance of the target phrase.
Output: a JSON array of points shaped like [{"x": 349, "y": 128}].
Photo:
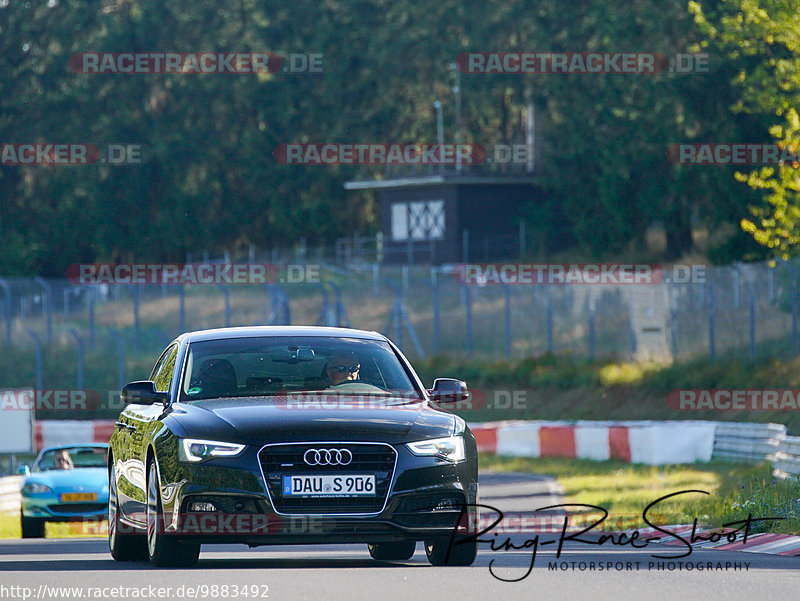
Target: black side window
[{"x": 162, "y": 372}]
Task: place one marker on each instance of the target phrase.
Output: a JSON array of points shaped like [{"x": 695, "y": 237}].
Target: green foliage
[
  {"x": 762, "y": 40},
  {"x": 209, "y": 179}
]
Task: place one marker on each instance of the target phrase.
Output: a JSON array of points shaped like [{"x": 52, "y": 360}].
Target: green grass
[
  {"x": 564, "y": 387},
  {"x": 624, "y": 490},
  {"x": 10, "y": 528}
]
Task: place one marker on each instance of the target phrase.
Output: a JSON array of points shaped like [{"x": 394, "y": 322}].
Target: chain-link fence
[{"x": 68, "y": 332}]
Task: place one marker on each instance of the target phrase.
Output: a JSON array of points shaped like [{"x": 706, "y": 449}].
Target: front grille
[
  {"x": 439, "y": 519},
  {"x": 287, "y": 460},
  {"x": 429, "y": 501},
  {"x": 77, "y": 507},
  {"x": 226, "y": 504},
  {"x": 420, "y": 511}
]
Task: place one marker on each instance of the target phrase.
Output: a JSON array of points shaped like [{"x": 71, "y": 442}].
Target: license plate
[
  {"x": 77, "y": 497},
  {"x": 325, "y": 486}
]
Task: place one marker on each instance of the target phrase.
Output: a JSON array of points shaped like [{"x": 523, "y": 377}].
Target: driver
[
  {"x": 342, "y": 368},
  {"x": 63, "y": 461}
]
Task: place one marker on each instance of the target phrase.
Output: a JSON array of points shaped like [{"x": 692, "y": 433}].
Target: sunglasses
[{"x": 344, "y": 369}]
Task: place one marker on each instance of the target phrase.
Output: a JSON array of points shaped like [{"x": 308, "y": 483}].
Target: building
[{"x": 450, "y": 218}]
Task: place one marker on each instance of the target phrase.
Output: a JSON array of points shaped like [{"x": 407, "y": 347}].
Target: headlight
[
  {"x": 451, "y": 448},
  {"x": 192, "y": 450},
  {"x": 34, "y": 488}
]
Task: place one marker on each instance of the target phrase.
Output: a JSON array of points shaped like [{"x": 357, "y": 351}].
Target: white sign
[{"x": 16, "y": 423}]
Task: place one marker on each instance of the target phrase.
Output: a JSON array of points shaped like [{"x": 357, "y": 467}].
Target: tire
[
  {"x": 31, "y": 527},
  {"x": 164, "y": 550},
  {"x": 439, "y": 553},
  {"x": 393, "y": 551},
  {"x": 123, "y": 547}
]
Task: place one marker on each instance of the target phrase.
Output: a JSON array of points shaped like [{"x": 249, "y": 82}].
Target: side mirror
[
  {"x": 449, "y": 391},
  {"x": 24, "y": 471},
  {"x": 143, "y": 393}
]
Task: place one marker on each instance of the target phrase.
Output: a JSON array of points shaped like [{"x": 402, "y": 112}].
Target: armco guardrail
[
  {"x": 9, "y": 494},
  {"x": 747, "y": 442},
  {"x": 786, "y": 461}
]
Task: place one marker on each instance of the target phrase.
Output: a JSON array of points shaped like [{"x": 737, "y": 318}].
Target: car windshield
[
  {"x": 270, "y": 366},
  {"x": 72, "y": 458}
]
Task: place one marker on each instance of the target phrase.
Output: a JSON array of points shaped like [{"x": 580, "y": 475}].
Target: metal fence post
[
  {"x": 752, "y": 300},
  {"x": 468, "y": 309},
  {"x": 507, "y": 318},
  {"x": 226, "y": 292},
  {"x": 47, "y": 307},
  {"x": 712, "y": 341},
  {"x": 673, "y": 320},
  {"x": 120, "y": 357},
  {"x": 771, "y": 282},
  {"x": 795, "y": 338},
  {"x": 398, "y": 326},
  {"x": 39, "y": 367},
  {"x": 435, "y": 303},
  {"x": 181, "y": 308},
  {"x": 592, "y": 334},
  {"x": 135, "y": 294},
  {"x": 79, "y": 342},
  {"x": 7, "y": 311},
  {"x": 548, "y": 317},
  {"x": 92, "y": 293},
  {"x": 342, "y": 320}
]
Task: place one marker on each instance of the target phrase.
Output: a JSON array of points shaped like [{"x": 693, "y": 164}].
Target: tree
[{"x": 762, "y": 37}]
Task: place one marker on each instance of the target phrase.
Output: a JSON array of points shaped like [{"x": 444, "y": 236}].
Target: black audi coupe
[{"x": 290, "y": 435}]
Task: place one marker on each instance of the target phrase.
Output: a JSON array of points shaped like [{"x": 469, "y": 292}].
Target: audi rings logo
[{"x": 328, "y": 457}]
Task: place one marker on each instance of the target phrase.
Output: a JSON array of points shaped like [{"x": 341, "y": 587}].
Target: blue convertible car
[{"x": 68, "y": 483}]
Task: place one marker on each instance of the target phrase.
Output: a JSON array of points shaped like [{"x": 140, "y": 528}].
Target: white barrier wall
[{"x": 668, "y": 443}]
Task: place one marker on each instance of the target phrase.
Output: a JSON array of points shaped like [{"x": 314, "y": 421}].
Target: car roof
[{"x": 260, "y": 331}]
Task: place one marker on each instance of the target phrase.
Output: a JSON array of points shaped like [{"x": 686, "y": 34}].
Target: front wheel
[
  {"x": 440, "y": 553},
  {"x": 393, "y": 551},
  {"x": 124, "y": 546},
  {"x": 164, "y": 550},
  {"x": 31, "y": 527}
]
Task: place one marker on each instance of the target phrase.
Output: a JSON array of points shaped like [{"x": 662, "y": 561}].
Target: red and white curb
[
  {"x": 653, "y": 443},
  {"x": 762, "y": 542}
]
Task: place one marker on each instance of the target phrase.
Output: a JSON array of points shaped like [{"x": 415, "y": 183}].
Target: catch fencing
[{"x": 67, "y": 331}]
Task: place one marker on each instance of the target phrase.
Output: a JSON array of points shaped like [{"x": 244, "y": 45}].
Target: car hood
[
  {"x": 89, "y": 479},
  {"x": 256, "y": 420}
]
